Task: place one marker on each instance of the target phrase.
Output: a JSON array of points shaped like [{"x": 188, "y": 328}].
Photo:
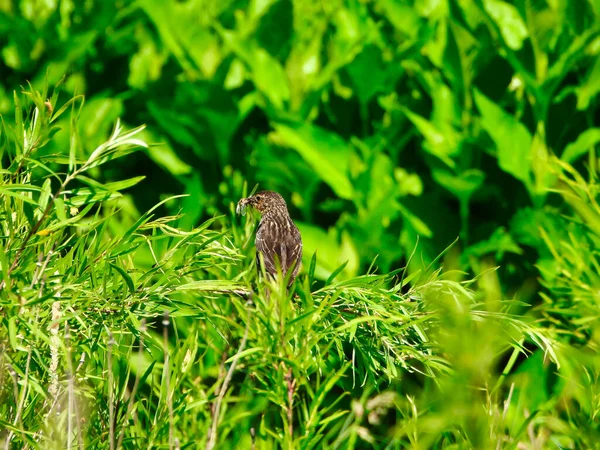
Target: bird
[{"x": 278, "y": 241}]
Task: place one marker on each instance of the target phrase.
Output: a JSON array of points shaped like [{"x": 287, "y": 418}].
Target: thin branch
[
  {"x": 212, "y": 433},
  {"x": 135, "y": 384},
  {"x": 18, "y": 421},
  {"x": 111, "y": 400},
  {"x": 291, "y": 387},
  {"x": 35, "y": 228},
  {"x": 167, "y": 372}
]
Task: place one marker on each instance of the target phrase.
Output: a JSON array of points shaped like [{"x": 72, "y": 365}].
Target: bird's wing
[
  {"x": 278, "y": 243},
  {"x": 265, "y": 246},
  {"x": 294, "y": 253}
]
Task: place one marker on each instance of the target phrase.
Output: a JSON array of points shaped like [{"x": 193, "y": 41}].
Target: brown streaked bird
[{"x": 277, "y": 237}]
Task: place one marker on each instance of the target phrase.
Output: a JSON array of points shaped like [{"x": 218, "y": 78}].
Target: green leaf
[
  {"x": 126, "y": 277},
  {"x": 72, "y": 220},
  {"x": 419, "y": 226},
  {"x": 436, "y": 142},
  {"x": 12, "y": 332},
  {"x": 168, "y": 159},
  {"x": 335, "y": 273},
  {"x": 44, "y": 197},
  {"x": 19, "y": 127},
  {"x": 371, "y": 75},
  {"x": 500, "y": 242},
  {"x": 248, "y": 351},
  {"x": 324, "y": 151},
  {"x": 85, "y": 197},
  {"x": 314, "y": 415},
  {"x": 463, "y": 185},
  {"x": 17, "y": 195},
  {"x": 585, "y": 141},
  {"x": 266, "y": 72},
  {"x": 312, "y": 266},
  {"x": 509, "y": 22},
  {"x": 59, "y": 207},
  {"x": 270, "y": 78},
  {"x": 330, "y": 252},
  {"x": 590, "y": 88},
  {"x": 512, "y": 139},
  {"x": 113, "y": 186}
]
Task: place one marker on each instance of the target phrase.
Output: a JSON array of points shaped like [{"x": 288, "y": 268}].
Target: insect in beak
[{"x": 241, "y": 207}]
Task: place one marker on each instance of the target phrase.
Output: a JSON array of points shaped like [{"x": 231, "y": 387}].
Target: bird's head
[{"x": 264, "y": 202}]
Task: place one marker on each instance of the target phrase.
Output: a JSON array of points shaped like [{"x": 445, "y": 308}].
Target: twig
[
  {"x": 35, "y": 228},
  {"x": 54, "y": 352},
  {"x": 291, "y": 387},
  {"x": 41, "y": 266},
  {"x": 111, "y": 406},
  {"x": 167, "y": 371},
  {"x": 71, "y": 391},
  {"x": 18, "y": 420},
  {"x": 100, "y": 152},
  {"x": 212, "y": 433},
  {"x": 135, "y": 384},
  {"x": 72, "y": 398}
]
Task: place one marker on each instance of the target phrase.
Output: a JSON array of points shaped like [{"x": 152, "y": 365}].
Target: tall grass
[{"x": 122, "y": 330}]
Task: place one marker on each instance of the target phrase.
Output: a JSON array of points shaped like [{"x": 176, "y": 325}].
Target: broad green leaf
[
  {"x": 408, "y": 183},
  {"x": 323, "y": 150},
  {"x": 418, "y": 225},
  {"x": 462, "y": 185},
  {"x": 168, "y": 159},
  {"x": 267, "y": 73},
  {"x": 585, "y": 141},
  {"x": 512, "y": 139},
  {"x": 541, "y": 164},
  {"x": 402, "y": 16},
  {"x": 168, "y": 17},
  {"x": 371, "y": 75},
  {"x": 192, "y": 206},
  {"x": 590, "y": 88},
  {"x": 270, "y": 78},
  {"x": 510, "y": 23},
  {"x": 499, "y": 243},
  {"x": 331, "y": 254},
  {"x": 435, "y": 141}
]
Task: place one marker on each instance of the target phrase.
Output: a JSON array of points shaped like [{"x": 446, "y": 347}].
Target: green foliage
[
  {"x": 392, "y": 128},
  {"x": 83, "y": 363},
  {"x": 330, "y": 104}
]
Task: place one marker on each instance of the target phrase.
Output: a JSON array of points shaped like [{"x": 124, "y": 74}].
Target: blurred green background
[{"x": 383, "y": 122}]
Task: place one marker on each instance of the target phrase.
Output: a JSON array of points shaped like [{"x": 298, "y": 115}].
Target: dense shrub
[{"x": 454, "y": 138}]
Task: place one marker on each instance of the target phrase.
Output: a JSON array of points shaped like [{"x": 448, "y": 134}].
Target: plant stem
[{"x": 212, "y": 434}]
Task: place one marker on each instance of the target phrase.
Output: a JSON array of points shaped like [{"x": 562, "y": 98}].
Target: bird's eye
[{"x": 259, "y": 197}]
